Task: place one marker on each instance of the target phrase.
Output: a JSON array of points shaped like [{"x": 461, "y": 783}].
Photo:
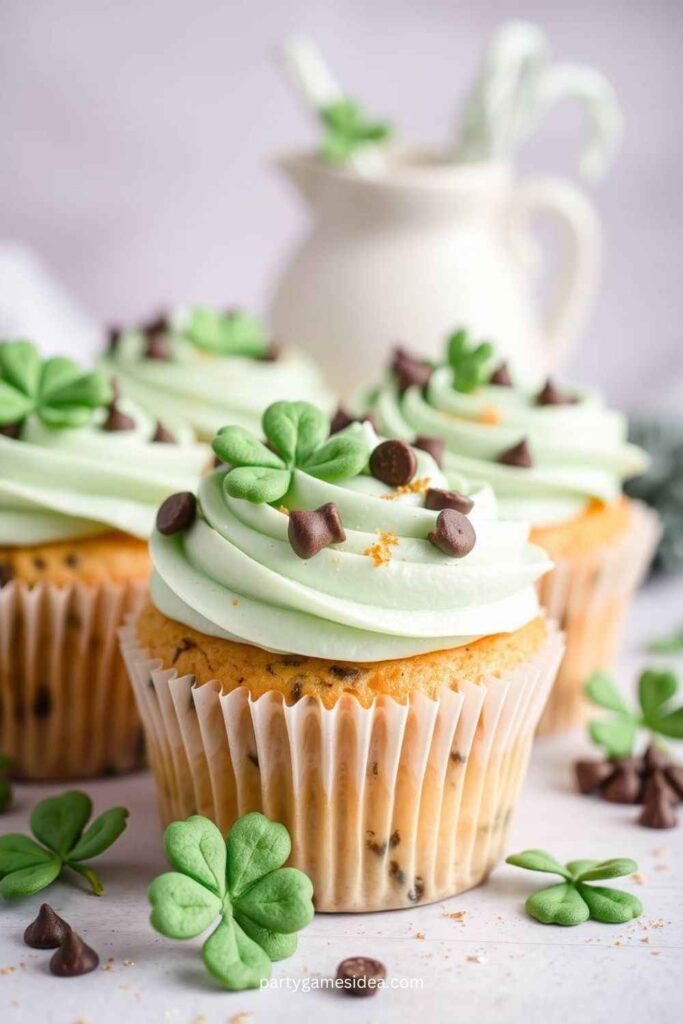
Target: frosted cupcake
[
  {"x": 81, "y": 475},
  {"x": 212, "y": 368},
  {"x": 340, "y": 640},
  {"x": 556, "y": 459}
]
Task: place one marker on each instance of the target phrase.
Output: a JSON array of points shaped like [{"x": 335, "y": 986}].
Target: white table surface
[{"x": 496, "y": 965}]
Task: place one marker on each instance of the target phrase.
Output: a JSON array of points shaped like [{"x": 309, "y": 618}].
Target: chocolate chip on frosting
[
  {"x": 47, "y": 930},
  {"x": 176, "y": 513},
  {"x": 11, "y": 430},
  {"x": 436, "y": 499},
  {"x": 501, "y": 376},
  {"x": 155, "y": 333},
  {"x": 394, "y": 463},
  {"x": 409, "y": 371},
  {"x": 73, "y": 957},
  {"x": 340, "y": 420},
  {"x": 454, "y": 534},
  {"x": 162, "y": 435},
  {"x": 434, "y": 446},
  {"x": 519, "y": 456},
  {"x": 117, "y": 420},
  {"x": 551, "y": 395},
  {"x": 272, "y": 353},
  {"x": 310, "y": 532}
]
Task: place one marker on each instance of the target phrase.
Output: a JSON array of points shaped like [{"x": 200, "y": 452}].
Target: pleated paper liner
[
  {"x": 589, "y": 596},
  {"x": 387, "y": 806},
  {"x": 66, "y": 710}
]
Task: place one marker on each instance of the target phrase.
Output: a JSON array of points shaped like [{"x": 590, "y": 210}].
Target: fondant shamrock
[
  {"x": 231, "y": 333},
  {"x": 346, "y": 130},
  {"x": 617, "y": 734},
  {"x": 469, "y": 362},
  {"x": 573, "y": 901},
  {"x": 59, "y": 391},
  {"x": 298, "y": 436},
  {"x": 259, "y": 905}
]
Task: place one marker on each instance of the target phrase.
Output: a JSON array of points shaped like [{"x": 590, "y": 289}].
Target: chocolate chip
[
  {"x": 310, "y": 532},
  {"x": 590, "y": 775},
  {"x": 625, "y": 786},
  {"x": 654, "y": 757},
  {"x": 47, "y": 930},
  {"x": 340, "y": 420},
  {"x": 658, "y": 811},
  {"x": 113, "y": 339},
  {"x": 417, "y": 892},
  {"x": 73, "y": 957},
  {"x": 186, "y": 644},
  {"x": 295, "y": 692},
  {"x": 117, "y": 420},
  {"x": 674, "y": 776},
  {"x": 394, "y": 839},
  {"x": 157, "y": 325},
  {"x": 394, "y": 463},
  {"x": 253, "y": 758},
  {"x": 454, "y": 534},
  {"x": 162, "y": 435},
  {"x": 409, "y": 371},
  {"x": 176, "y": 513},
  {"x": 457, "y": 757},
  {"x": 360, "y": 975},
  {"x": 272, "y": 353},
  {"x": 157, "y": 346},
  {"x": 217, "y": 462},
  {"x": 396, "y": 872},
  {"x": 71, "y": 560},
  {"x": 436, "y": 500},
  {"x": 434, "y": 446},
  {"x": 344, "y": 672},
  {"x": 11, "y": 430},
  {"x": 379, "y": 848},
  {"x": 6, "y": 573},
  {"x": 551, "y": 395},
  {"x": 519, "y": 455},
  {"x": 42, "y": 705},
  {"x": 40, "y": 564},
  {"x": 501, "y": 377}
]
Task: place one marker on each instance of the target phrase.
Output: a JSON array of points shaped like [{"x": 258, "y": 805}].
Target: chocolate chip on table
[
  {"x": 436, "y": 499},
  {"x": 394, "y": 463},
  {"x": 161, "y": 435},
  {"x": 11, "y": 430},
  {"x": 310, "y": 532},
  {"x": 590, "y": 775},
  {"x": 47, "y": 930},
  {"x": 658, "y": 803},
  {"x": 409, "y": 370},
  {"x": 361, "y": 975},
  {"x": 113, "y": 339},
  {"x": 6, "y": 573},
  {"x": 501, "y": 377},
  {"x": 518, "y": 455},
  {"x": 551, "y": 395},
  {"x": 434, "y": 446},
  {"x": 73, "y": 957},
  {"x": 626, "y": 784},
  {"x": 653, "y": 780},
  {"x": 176, "y": 513},
  {"x": 454, "y": 534}
]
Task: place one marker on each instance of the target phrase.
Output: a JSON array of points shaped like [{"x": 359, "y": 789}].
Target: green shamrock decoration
[
  {"x": 59, "y": 391},
  {"x": 671, "y": 644},
  {"x": 573, "y": 901},
  {"x": 469, "y": 362},
  {"x": 297, "y": 432},
  {"x": 260, "y": 905},
  {"x": 231, "y": 333},
  {"x": 346, "y": 130},
  {"x": 5, "y": 785},
  {"x": 617, "y": 734},
  {"x": 58, "y": 822}
]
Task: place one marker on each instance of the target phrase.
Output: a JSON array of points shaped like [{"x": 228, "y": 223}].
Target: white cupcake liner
[
  {"x": 387, "y": 806},
  {"x": 588, "y": 596},
  {"x": 66, "y": 710}
]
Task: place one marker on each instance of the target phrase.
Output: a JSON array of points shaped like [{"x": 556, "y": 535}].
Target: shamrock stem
[{"x": 90, "y": 875}]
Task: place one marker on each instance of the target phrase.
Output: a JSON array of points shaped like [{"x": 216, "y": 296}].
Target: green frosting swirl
[
  {"x": 386, "y": 592},
  {"x": 579, "y": 450}
]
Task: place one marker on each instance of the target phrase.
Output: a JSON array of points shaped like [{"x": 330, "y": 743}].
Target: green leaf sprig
[
  {"x": 231, "y": 333},
  {"x": 347, "y": 130},
  {"x": 5, "y": 785},
  {"x": 671, "y": 644},
  {"x": 617, "y": 734},
  {"x": 298, "y": 435},
  {"x": 57, "y": 390},
  {"x": 469, "y": 362},
  {"x": 59, "y": 823},
  {"x": 573, "y": 901},
  {"x": 260, "y": 906}
]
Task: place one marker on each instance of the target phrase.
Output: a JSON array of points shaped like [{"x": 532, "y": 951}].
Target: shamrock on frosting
[
  {"x": 346, "y": 130},
  {"x": 259, "y": 905},
  {"x": 231, "y": 333},
  {"x": 573, "y": 901},
  {"x": 57, "y": 390},
  {"x": 469, "y": 362},
  {"x": 617, "y": 734},
  {"x": 298, "y": 436}
]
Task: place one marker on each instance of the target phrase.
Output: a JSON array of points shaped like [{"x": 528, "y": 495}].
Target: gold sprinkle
[
  {"x": 283, "y": 509},
  {"x": 381, "y": 552},
  {"x": 490, "y": 416},
  {"x": 419, "y": 486}
]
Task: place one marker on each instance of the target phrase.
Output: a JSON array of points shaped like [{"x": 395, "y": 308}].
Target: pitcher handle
[{"x": 581, "y": 242}]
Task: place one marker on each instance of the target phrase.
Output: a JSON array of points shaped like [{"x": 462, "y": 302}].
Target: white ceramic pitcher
[{"x": 422, "y": 248}]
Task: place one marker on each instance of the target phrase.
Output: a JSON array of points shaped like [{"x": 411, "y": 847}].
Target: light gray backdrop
[{"x": 135, "y": 137}]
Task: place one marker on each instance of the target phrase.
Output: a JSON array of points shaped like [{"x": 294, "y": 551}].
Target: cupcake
[
  {"x": 82, "y": 472},
  {"x": 211, "y": 368},
  {"x": 556, "y": 458},
  {"x": 342, "y": 641}
]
